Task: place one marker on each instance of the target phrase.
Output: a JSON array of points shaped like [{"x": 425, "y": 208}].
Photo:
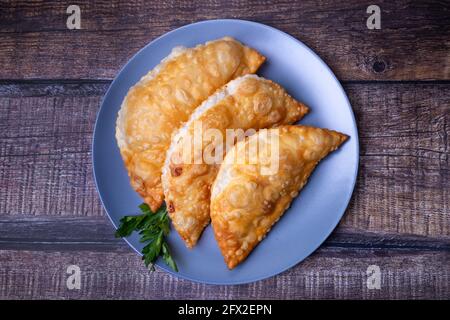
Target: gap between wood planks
[
  {"x": 80, "y": 87},
  {"x": 47, "y": 233}
]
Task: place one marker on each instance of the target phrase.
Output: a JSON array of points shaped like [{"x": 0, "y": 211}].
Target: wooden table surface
[{"x": 52, "y": 80}]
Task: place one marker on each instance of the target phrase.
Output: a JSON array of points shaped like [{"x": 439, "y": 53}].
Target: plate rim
[{"x": 339, "y": 86}]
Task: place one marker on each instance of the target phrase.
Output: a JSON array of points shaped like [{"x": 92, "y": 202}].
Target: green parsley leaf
[
  {"x": 168, "y": 258},
  {"x": 153, "y": 228}
]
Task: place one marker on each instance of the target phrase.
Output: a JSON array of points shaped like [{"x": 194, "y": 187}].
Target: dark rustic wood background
[{"x": 52, "y": 80}]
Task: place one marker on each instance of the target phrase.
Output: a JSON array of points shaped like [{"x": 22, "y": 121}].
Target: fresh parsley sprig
[{"x": 153, "y": 228}]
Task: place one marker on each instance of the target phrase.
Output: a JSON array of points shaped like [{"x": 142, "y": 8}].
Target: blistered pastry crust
[
  {"x": 245, "y": 204},
  {"x": 165, "y": 98},
  {"x": 244, "y": 103}
]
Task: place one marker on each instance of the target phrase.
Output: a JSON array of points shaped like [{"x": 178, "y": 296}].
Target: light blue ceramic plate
[{"x": 321, "y": 204}]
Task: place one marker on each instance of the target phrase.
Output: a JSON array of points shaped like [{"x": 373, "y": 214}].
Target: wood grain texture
[
  {"x": 413, "y": 43},
  {"x": 403, "y": 184},
  {"x": 404, "y": 179},
  {"x": 52, "y": 81},
  {"x": 329, "y": 273},
  {"x": 45, "y": 155}
]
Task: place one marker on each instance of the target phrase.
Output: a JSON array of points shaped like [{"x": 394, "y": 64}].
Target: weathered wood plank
[
  {"x": 45, "y": 160},
  {"x": 327, "y": 274},
  {"x": 413, "y": 42},
  {"x": 403, "y": 185},
  {"x": 404, "y": 176}
]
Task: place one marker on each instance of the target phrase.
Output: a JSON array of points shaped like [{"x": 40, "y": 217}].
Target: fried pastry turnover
[
  {"x": 249, "y": 102},
  {"x": 165, "y": 98},
  {"x": 246, "y": 201}
]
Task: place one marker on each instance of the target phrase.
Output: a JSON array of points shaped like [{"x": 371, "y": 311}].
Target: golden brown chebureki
[
  {"x": 165, "y": 98},
  {"x": 245, "y": 204},
  {"x": 249, "y": 102}
]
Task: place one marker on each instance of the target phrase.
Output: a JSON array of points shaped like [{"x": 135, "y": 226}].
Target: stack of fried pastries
[{"x": 173, "y": 133}]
